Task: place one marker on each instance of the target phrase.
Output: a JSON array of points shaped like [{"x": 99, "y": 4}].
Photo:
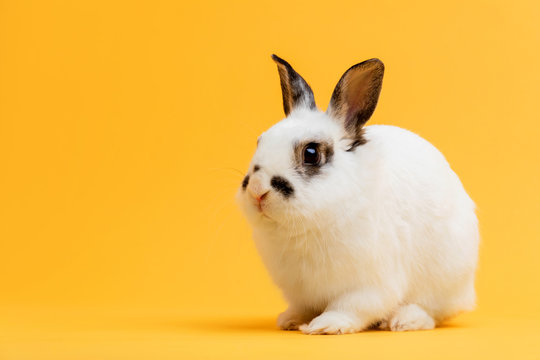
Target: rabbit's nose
[
  {"x": 256, "y": 189},
  {"x": 260, "y": 197}
]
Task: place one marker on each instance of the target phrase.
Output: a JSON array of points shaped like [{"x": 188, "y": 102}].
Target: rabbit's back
[{"x": 423, "y": 206}]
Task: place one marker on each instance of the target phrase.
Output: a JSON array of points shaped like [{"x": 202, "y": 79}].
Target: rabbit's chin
[
  {"x": 270, "y": 215},
  {"x": 276, "y": 216}
]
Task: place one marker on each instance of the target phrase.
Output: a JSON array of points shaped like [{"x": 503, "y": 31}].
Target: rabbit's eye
[{"x": 311, "y": 154}]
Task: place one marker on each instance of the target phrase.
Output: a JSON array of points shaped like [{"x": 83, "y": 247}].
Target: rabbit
[{"x": 359, "y": 226}]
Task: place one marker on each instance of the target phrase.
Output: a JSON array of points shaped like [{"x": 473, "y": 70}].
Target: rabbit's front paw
[
  {"x": 291, "y": 320},
  {"x": 332, "y": 323},
  {"x": 411, "y": 317}
]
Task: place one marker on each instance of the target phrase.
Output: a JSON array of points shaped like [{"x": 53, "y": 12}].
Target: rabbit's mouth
[
  {"x": 260, "y": 205},
  {"x": 262, "y": 208}
]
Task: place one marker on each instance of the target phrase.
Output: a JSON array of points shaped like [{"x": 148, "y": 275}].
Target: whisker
[{"x": 234, "y": 170}]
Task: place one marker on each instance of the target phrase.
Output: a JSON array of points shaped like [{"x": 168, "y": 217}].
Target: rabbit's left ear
[
  {"x": 296, "y": 91},
  {"x": 356, "y": 94}
]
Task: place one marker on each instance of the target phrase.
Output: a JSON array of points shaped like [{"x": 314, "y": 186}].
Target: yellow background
[{"x": 125, "y": 127}]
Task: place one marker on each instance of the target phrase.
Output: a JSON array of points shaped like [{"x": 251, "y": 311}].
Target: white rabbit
[{"x": 358, "y": 226}]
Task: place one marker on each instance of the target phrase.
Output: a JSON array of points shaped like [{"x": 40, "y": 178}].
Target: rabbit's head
[{"x": 301, "y": 168}]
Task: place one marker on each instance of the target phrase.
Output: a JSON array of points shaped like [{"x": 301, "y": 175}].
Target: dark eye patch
[
  {"x": 324, "y": 150},
  {"x": 282, "y": 185}
]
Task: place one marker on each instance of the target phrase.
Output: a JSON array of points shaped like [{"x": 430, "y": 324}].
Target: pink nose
[
  {"x": 261, "y": 197},
  {"x": 257, "y": 190},
  {"x": 257, "y": 195}
]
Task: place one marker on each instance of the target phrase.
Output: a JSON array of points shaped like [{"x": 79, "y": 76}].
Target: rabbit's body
[
  {"x": 380, "y": 231},
  {"x": 414, "y": 238}
]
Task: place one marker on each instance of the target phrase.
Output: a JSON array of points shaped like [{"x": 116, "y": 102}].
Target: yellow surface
[
  {"x": 69, "y": 333},
  {"x": 123, "y": 125}
]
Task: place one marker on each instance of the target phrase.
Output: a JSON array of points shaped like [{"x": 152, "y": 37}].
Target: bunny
[{"x": 360, "y": 226}]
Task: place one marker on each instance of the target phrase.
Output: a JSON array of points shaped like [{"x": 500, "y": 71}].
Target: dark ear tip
[
  {"x": 279, "y": 60},
  {"x": 368, "y": 65},
  {"x": 374, "y": 62}
]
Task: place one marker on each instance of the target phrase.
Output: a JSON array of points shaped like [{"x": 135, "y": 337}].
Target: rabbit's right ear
[
  {"x": 296, "y": 91},
  {"x": 355, "y": 96}
]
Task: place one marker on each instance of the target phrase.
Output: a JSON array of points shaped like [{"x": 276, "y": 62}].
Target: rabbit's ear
[
  {"x": 296, "y": 91},
  {"x": 356, "y": 94}
]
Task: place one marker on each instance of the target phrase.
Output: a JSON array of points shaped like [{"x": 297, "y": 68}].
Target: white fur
[{"x": 385, "y": 233}]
